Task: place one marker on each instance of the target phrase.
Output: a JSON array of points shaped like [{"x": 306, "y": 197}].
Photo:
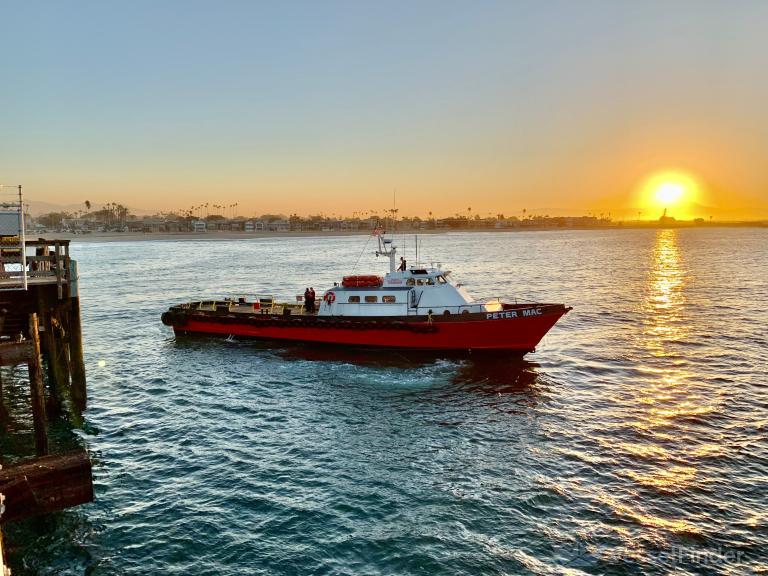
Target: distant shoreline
[{"x": 217, "y": 235}]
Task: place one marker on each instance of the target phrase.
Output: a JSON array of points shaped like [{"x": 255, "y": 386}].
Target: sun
[
  {"x": 669, "y": 192},
  {"x": 669, "y": 189}
]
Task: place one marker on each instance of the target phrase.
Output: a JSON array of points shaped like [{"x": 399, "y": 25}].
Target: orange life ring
[{"x": 329, "y": 297}]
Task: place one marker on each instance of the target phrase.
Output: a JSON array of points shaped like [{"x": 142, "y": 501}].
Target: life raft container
[{"x": 362, "y": 281}]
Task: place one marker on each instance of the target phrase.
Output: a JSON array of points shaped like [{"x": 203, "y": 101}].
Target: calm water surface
[{"x": 632, "y": 442}]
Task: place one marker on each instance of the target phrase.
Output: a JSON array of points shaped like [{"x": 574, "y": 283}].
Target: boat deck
[{"x": 263, "y": 307}]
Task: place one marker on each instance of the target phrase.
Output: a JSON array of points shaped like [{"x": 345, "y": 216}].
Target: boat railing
[
  {"x": 420, "y": 310},
  {"x": 460, "y": 309},
  {"x": 268, "y": 305}
]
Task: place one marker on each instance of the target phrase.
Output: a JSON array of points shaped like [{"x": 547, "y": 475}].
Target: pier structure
[
  {"x": 51, "y": 295},
  {"x": 40, "y": 328}
]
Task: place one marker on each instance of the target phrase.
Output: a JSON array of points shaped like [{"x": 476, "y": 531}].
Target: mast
[{"x": 386, "y": 248}]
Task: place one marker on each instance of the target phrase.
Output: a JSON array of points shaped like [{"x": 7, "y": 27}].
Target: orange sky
[{"x": 563, "y": 108}]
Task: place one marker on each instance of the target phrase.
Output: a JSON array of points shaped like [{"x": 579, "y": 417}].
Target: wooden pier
[
  {"x": 40, "y": 328},
  {"x": 52, "y": 294}
]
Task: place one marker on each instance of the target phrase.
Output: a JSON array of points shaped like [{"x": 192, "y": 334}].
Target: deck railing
[{"x": 19, "y": 268}]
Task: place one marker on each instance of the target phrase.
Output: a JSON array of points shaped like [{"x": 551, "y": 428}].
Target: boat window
[
  {"x": 389, "y": 299},
  {"x": 430, "y": 281},
  {"x": 441, "y": 280},
  {"x": 414, "y": 271},
  {"x": 419, "y": 282},
  {"x": 354, "y": 299},
  {"x": 410, "y": 282},
  {"x": 371, "y": 299}
]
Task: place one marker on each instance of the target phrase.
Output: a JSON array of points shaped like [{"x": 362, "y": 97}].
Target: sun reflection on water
[
  {"x": 665, "y": 394},
  {"x": 665, "y": 399},
  {"x": 665, "y": 296},
  {"x": 673, "y": 525}
]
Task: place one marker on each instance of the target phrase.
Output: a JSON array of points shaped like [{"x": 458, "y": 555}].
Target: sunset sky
[{"x": 558, "y": 107}]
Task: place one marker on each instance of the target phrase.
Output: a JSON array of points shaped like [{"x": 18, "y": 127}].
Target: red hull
[{"x": 478, "y": 332}]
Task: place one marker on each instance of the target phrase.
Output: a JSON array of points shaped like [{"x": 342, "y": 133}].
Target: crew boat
[{"x": 415, "y": 308}]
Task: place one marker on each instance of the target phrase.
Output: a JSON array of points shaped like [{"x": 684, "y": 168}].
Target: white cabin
[{"x": 416, "y": 291}]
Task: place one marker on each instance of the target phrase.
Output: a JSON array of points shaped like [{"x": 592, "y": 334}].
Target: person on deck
[
  {"x": 306, "y": 300},
  {"x": 401, "y": 268},
  {"x": 311, "y": 299}
]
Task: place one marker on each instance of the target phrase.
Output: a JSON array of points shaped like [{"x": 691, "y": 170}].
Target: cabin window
[
  {"x": 371, "y": 299},
  {"x": 430, "y": 281},
  {"x": 419, "y": 282},
  {"x": 354, "y": 300},
  {"x": 410, "y": 282},
  {"x": 389, "y": 299},
  {"x": 441, "y": 280}
]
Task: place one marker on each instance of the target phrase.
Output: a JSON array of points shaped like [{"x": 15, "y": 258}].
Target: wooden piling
[
  {"x": 3, "y": 415},
  {"x": 58, "y": 375},
  {"x": 60, "y": 352},
  {"x": 59, "y": 270},
  {"x": 4, "y": 570},
  {"x": 37, "y": 390},
  {"x": 79, "y": 393}
]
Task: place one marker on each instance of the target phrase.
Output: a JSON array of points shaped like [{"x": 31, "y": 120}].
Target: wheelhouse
[{"x": 415, "y": 291}]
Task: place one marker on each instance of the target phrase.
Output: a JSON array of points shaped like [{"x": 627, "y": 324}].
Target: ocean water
[{"x": 632, "y": 442}]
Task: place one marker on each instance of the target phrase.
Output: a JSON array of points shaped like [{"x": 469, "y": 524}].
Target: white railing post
[{"x": 22, "y": 242}]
